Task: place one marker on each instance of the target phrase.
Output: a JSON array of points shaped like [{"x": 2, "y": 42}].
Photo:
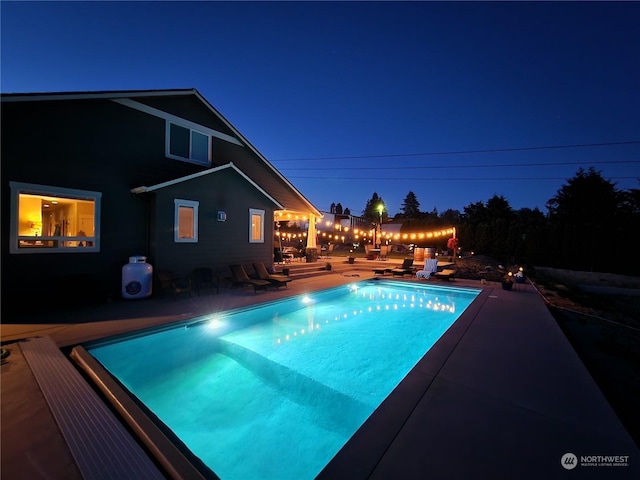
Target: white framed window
[
  {"x": 185, "y": 228},
  {"x": 256, "y": 226},
  {"x": 187, "y": 144},
  {"x": 49, "y": 219}
]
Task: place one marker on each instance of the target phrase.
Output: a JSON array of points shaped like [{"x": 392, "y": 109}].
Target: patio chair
[
  {"x": 405, "y": 268},
  {"x": 382, "y": 271},
  {"x": 430, "y": 267},
  {"x": 203, "y": 280},
  {"x": 240, "y": 278},
  {"x": 275, "y": 279},
  {"x": 173, "y": 285},
  {"x": 369, "y": 253},
  {"x": 446, "y": 274},
  {"x": 296, "y": 253},
  {"x": 329, "y": 250}
]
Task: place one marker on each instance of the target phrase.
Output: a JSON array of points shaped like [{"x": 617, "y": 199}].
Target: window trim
[
  {"x": 190, "y": 159},
  {"x": 260, "y": 213},
  {"x": 178, "y": 202},
  {"x": 47, "y": 190}
]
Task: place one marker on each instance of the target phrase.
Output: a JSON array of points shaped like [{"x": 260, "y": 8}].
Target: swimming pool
[{"x": 276, "y": 390}]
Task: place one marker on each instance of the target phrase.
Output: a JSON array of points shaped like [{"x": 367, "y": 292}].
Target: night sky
[{"x": 454, "y": 101}]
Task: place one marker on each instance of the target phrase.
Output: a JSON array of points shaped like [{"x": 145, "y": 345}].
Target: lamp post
[{"x": 380, "y": 209}]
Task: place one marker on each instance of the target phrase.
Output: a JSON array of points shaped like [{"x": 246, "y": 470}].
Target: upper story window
[
  {"x": 184, "y": 140},
  {"x": 185, "y": 143},
  {"x": 256, "y": 226},
  {"x": 185, "y": 228},
  {"x": 46, "y": 219}
]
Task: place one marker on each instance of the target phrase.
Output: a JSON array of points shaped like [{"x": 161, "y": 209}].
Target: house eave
[
  {"x": 144, "y": 189},
  {"x": 111, "y": 94},
  {"x": 130, "y": 94}
]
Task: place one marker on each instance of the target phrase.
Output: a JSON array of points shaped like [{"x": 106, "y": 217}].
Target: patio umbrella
[
  {"x": 311, "y": 232},
  {"x": 279, "y": 236}
]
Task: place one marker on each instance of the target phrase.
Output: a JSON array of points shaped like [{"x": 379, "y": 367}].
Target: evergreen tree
[
  {"x": 585, "y": 198},
  {"x": 498, "y": 207},
  {"x": 410, "y": 207},
  {"x": 584, "y": 215},
  {"x": 475, "y": 213},
  {"x": 451, "y": 217},
  {"x": 371, "y": 211}
]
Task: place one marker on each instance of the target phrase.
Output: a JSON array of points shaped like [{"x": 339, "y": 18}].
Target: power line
[
  {"x": 460, "y": 152},
  {"x": 440, "y": 179},
  {"x": 495, "y": 165}
]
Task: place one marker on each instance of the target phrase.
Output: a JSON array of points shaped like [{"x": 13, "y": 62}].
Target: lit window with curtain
[
  {"x": 186, "y": 221},
  {"x": 256, "y": 226},
  {"x": 50, "y": 219}
]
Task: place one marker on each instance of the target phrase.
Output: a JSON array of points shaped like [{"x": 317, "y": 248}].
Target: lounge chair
[
  {"x": 275, "y": 279},
  {"x": 240, "y": 278},
  {"x": 430, "y": 267},
  {"x": 382, "y": 271},
  {"x": 446, "y": 274},
  {"x": 404, "y": 269}
]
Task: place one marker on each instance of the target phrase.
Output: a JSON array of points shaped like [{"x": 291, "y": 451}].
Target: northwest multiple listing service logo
[{"x": 569, "y": 461}]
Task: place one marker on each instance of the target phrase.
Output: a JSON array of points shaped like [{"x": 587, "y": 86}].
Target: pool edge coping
[
  {"x": 361, "y": 454},
  {"x": 179, "y": 465},
  {"x": 175, "y": 463}
]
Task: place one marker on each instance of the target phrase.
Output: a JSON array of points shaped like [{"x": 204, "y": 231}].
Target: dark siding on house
[
  {"x": 189, "y": 107},
  {"x": 219, "y": 243},
  {"x": 99, "y": 145},
  {"x": 95, "y": 145},
  {"x": 259, "y": 172}
]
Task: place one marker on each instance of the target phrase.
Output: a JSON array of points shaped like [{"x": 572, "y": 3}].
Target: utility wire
[
  {"x": 495, "y": 165},
  {"x": 440, "y": 179},
  {"x": 460, "y": 152}
]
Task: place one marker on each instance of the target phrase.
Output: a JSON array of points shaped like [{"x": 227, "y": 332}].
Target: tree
[
  {"x": 371, "y": 211},
  {"x": 585, "y": 197},
  {"x": 410, "y": 207},
  {"x": 498, "y": 207},
  {"x": 475, "y": 213},
  {"x": 451, "y": 217},
  {"x": 488, "y": 229},
  {"x": 584, "y": 218}
]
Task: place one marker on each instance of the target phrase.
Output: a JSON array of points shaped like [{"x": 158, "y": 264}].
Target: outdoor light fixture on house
[{"x": 222, "y": 216}]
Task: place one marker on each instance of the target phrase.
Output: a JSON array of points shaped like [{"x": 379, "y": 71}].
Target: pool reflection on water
[{"x": 274, "y": 391}]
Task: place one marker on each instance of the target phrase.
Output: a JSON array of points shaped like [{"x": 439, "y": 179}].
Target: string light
[{"x": 433, "y": 234}]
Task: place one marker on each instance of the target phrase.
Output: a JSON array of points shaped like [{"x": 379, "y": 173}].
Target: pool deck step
[
  {"x": 298, "y": 270},
  {"x": 99, "y": 443}
]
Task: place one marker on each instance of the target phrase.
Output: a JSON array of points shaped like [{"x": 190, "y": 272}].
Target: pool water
[{"x": 274, "y": 391}]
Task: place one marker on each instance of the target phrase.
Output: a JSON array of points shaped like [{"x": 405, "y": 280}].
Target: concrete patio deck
[{"x": 501, "y": 395}]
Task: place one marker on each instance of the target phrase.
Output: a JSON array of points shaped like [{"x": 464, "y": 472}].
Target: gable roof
[
  {"x": 186, "y": 178},
  {"x": 263, "y": 174}
]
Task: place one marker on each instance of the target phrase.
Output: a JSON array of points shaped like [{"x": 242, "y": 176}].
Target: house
[{"x": 90, "y": 179}]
